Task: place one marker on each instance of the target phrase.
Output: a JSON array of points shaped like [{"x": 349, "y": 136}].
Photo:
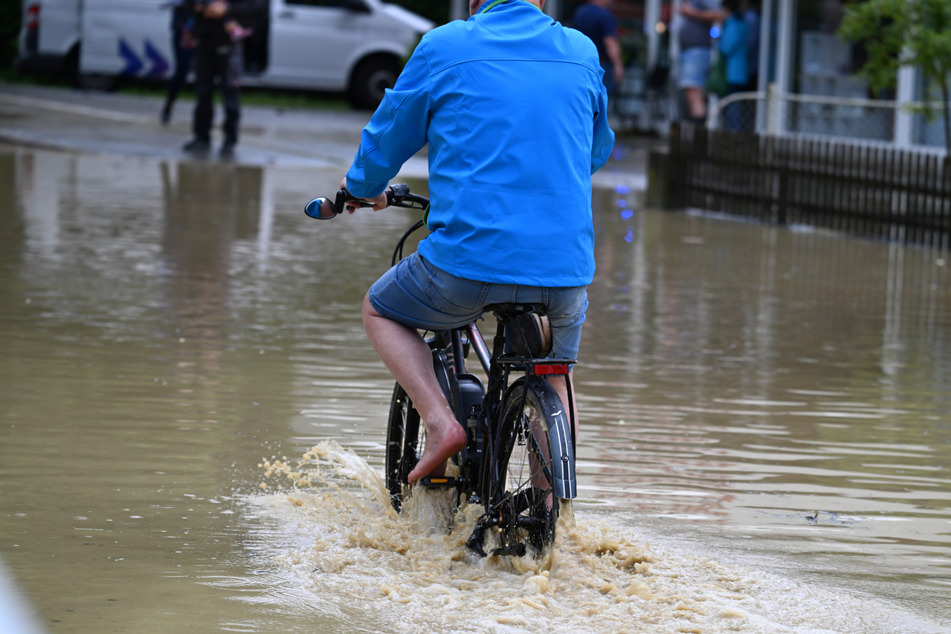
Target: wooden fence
[{"x": 876, "y": 192}]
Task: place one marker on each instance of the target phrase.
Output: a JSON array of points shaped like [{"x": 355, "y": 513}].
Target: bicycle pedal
[
  {"x": 439, "y": 482},
  {"x": 518, "y": 550}
]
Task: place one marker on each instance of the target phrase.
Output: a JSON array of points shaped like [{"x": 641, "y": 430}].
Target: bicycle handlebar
[{"x": 397, "y": 195}]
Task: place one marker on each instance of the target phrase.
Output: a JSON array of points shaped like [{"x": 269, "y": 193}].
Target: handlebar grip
[
  {"x": 343, "y": 196},
  {"x": 324, "y": 209},
  {"x": 397, "y": 195}
]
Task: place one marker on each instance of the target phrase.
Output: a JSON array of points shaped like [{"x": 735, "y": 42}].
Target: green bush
[
  {"x": 898, "y": 33},
  {"x": 438, "y": 12}
]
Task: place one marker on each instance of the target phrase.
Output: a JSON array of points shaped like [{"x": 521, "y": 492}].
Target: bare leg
[
  {"x": 410, "y": 361},
  {"x": 696, "y": 100}
]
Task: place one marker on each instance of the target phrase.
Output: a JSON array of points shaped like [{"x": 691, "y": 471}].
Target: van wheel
[
  {"x": 88, "y": 81},
  {"x": 96, "y": 82},
  {"x": 370, "y": 81}
]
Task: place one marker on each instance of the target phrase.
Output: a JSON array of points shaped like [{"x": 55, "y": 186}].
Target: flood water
[{"x": 766, "y": 437}]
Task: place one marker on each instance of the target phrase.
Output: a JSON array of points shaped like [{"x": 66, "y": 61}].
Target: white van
[{"x": 352, "y": 46}]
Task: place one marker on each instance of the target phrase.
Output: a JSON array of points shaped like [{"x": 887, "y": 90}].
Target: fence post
[
  {"x": 772, "y": 110},
  {"x": 664, "y": 173},
  {"x": 782, "y": 168}
]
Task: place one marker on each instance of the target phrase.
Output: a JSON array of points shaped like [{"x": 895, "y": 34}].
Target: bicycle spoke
[
  {"x": 543, "y": 461},
  {"x": 404, "y": 445},
  {"x": 523, "y": 498}
]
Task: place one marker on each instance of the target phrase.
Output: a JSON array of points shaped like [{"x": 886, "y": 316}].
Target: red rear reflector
[{"x": 552, "y": 368}]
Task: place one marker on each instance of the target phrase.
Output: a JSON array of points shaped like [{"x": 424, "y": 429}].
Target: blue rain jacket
[
  {"x": 733, "y": 47},
  {"x": 515, "y": 114}
]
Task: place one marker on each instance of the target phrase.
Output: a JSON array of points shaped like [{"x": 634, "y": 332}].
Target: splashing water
[{"x": 411, "y": 571}]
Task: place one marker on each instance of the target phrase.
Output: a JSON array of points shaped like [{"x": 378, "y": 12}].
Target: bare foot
[{"x": 441, "y": 444}]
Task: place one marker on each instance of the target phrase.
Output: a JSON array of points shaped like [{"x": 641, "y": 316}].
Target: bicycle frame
[
  {"x": 498, "y": 367},
  {"x": 480, "y": 410}
]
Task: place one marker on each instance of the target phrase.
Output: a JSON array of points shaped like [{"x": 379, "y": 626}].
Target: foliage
[
  {"x": 9, "y": 30},
  {"x": 438, "y": 12},
  {"x": 898, "y": 33}
]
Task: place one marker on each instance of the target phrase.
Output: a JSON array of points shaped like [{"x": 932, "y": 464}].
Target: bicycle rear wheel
[
  {"x": 535, "y": 442},
  {"x": 405, "y": 440}
]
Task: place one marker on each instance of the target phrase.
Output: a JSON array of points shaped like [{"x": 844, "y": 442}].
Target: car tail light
[{"x": 33, "y": 17}]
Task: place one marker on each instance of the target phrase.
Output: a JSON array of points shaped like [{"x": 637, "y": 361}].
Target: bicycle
[{"x": 519, "y": 461}]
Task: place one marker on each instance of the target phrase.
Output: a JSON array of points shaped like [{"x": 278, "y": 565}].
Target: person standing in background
[
  {"x": 183, "y": 58},
  {"x": 733, "y": 41},
  {"x": 696, "y": 54},
  {"x": 595, "y": 20},
  {"x": 218, "y": 61},
  {"x": 752, "y": 18}
]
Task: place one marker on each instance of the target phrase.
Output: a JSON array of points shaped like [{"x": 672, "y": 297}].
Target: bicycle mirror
[{"x": 321, "y": 209}]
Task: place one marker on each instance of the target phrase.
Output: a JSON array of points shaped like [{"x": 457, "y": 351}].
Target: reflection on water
[
  {"x": 765, "y": 425},
  {"x": 789, "y": 387}
]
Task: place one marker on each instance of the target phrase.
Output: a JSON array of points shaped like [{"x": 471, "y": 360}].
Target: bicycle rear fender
[{"x": 559, "y": 433}]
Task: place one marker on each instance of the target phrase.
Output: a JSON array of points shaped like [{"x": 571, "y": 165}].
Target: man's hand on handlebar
[
  {"x": 397, "y": 195},
  {"x": 378, "y": 203}
]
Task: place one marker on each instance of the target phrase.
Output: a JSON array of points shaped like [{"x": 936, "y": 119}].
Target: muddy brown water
[{"x": 765, "y": 442}]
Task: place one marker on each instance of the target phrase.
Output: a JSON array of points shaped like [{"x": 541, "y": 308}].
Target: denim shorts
[
  {"x": 417, "y": 294},
  {"x": 694, "y": 67}
]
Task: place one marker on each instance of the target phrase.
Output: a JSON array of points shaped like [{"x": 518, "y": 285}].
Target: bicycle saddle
[{"x": 529, "y": 331}]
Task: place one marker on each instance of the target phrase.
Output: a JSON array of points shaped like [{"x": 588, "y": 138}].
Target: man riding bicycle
[{"x": 514, "y": 111}]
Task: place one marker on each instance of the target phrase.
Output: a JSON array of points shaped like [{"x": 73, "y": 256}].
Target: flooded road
[{"x": 766, "y": 440}]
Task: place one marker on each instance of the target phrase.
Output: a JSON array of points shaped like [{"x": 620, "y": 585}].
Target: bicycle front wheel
[
  {"x": 405, "y": 440},
  {"x": 535, "y": 465}
]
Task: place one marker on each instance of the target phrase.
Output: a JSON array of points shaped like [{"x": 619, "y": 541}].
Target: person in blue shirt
[
  {"x": 733, "y": 47},
  {"x": 594, "y": 19},
  {"x": 751, "y": 15},
  {"x": 514, "y": 111},
  {"x": 752, "y": 18}
]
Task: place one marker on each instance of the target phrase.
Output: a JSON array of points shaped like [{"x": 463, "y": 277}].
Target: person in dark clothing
[
  {"x": 183, "y": 58},
  {"x": 752, "y": 18},
  {"x": 595, "y": 20},
  {"x": 218, "y": 59}
]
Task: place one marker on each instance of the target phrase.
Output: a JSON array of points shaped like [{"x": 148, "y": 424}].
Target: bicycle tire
[
  {"x": 533, "y": 431},
  {"x": 405, "y": 440}
]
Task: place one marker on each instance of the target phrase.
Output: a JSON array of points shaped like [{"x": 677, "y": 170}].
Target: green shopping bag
[{"x": 716, "y": 78}]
